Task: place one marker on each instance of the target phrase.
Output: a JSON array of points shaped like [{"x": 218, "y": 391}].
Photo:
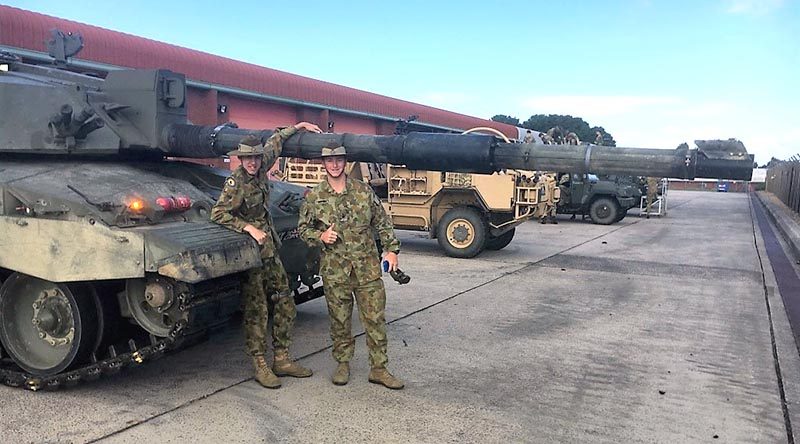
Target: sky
[{"x": 652, "y": 73}]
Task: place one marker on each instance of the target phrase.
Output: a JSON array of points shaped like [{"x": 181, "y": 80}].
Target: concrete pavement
[{"x": 656, "y": 330}]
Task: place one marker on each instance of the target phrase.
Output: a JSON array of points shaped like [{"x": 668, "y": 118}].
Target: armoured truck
[
  {"x": 605, "y": 199},
  {"x": 467, "y": 213},
  {"x": 107, "y": 257}
]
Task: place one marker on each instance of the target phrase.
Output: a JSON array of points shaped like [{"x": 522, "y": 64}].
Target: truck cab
[{"x": 605, "y": 199}]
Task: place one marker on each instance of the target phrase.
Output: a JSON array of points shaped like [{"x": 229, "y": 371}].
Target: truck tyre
[
  {"x": 604, "y": 211},
  {"x": 462, "y": 232},
  {"x": 622, "y": 215},
  {"x": 500, "y": 242}
]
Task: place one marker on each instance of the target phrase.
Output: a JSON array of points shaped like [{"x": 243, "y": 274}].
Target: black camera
[{"x": 400, "y": 277}]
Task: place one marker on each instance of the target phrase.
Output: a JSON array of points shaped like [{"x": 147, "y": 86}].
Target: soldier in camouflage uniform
[
  {"x": 341, "y": 215},
  {"x": 598, "y": 138},
  {"x": 652, "y": 193},
  {"x": 572, "y": 139},
  {"x": 243, "y": 207},
  {"x": 528, "y": 137}
]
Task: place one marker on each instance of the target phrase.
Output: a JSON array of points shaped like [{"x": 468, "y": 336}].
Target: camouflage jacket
[
  {"x": 245, "y": 198},
  {"x": 358, "y": 215},
  {"x": 652, "y": 185}
]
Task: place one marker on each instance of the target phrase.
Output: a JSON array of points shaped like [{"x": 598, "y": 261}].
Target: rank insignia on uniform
[{"x": 230, "y": 182}]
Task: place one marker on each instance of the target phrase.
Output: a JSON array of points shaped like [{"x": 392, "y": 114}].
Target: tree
[
  {"x": 506, "y": 119},
  {"x": 585, "y": 132}
]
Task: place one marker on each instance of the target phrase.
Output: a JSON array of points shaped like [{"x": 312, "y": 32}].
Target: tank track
[
  {"x": 12, "y": 376},
  {"x": 205, "y": 306},
  {"x": 197, "y": 302}
]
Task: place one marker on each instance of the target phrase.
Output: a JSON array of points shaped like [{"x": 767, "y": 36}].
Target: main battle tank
[{"x": 107, "y": 256}]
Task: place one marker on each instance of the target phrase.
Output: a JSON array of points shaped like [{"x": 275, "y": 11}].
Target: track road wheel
[
  {"x": 500, "y": 242},
  {"x": 604, "y": 211},
  {"x": 462, "y": 232},
  {"x": 46, "y": 327}
]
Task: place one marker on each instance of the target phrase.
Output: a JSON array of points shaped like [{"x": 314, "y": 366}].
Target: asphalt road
[{"x": 652, "y": 330}]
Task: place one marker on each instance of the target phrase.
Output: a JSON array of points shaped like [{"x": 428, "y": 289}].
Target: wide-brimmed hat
[
  {"x": 247, "y": 150},
  {"x": 333, "y": 151}
]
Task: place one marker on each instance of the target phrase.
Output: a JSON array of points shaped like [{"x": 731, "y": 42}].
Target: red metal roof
[{"x": 29, "y": 30}]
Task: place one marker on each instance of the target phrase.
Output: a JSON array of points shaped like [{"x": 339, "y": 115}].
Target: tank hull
[{"x": 69, "y": 235}]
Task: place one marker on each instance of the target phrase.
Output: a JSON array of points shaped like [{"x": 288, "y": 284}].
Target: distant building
[{"x": 739, "y": 186}]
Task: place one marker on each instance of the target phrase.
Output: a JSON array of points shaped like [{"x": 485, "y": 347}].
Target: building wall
[
  {"x": 350, "y": 124},
  {"x": 704, "y": 185},
  {"x": 256, "y": 114}
]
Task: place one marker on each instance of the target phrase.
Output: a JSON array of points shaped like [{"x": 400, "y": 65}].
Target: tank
[{"x": 107, "y": 256}]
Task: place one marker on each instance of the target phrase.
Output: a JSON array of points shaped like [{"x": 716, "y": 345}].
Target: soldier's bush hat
[
  {"x": 247, "y": 150},
  {"x": 333, "y": 151}
]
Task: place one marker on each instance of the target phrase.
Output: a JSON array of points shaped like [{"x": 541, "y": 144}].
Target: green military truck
[{"x": 605, "y": 199}]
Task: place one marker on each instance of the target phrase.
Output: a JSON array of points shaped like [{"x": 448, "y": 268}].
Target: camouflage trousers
[
  {"x": 258, "y": 286},
  {"x": 371, "y": 300},
  {"x": 649, "y": 202}
]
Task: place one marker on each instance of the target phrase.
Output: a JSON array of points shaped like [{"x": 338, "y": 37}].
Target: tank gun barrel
[
  {"x": 143, "y": 113},
  {"x": 478, "y": 153}
]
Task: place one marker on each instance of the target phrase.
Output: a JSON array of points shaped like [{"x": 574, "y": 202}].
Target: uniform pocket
[{"x": 253, "y": 201}]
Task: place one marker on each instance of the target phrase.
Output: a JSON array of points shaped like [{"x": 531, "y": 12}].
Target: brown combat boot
[
  {"x": 383, "y": 377},
  {"x": 264, "y": 375},
  {"x": 284, "y": 366},
  {"x": 342, "y": 374}
]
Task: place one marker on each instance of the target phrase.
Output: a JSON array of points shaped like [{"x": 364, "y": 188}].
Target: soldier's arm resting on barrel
[{"x": 274, "y": 145}]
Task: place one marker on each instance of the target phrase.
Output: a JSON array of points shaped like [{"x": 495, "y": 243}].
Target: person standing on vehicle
[
  {"x": 243, "y": 206},
  {"x": 652, "y": 193},
  {"x": 528, "y": 137},
  {"x": 341, "y": 216},
  {"x": 598, "y": 138}
]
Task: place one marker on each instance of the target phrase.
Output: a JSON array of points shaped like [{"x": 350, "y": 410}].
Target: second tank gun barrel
[{"x": 478, "y": 153}]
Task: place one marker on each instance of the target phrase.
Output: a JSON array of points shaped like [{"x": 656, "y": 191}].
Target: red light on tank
[
  {"x": 183, "y": 203},
  {"x": 167, "y": 203},
  {"x": 170, "y": 204}
]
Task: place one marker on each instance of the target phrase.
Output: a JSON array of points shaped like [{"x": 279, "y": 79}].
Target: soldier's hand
[
  {"x": 308, "y": 127},
  {"x": 329, "y": 236},
  {"x": 256, "y": 234},
  {"x": 392, "y": 259}
]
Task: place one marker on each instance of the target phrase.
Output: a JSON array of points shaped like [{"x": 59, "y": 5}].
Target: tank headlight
[
  {"x": 136, "y": 205},
  {"x": 4, "y": 67}
]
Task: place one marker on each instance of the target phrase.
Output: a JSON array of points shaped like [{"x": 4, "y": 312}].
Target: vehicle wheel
[
  {"x": 462, "y": 232},
  {"x": 604, "y": 211},
  {"x": 47, "y": 327},
  {"x": 622, "y": 215},
  {"x": 500, "y": 242}
]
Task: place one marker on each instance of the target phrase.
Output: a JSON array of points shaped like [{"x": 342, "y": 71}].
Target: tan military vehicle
[{"x": 466, "y": 213}]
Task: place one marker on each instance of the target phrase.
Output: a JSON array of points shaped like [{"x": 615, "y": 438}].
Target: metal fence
[{"x": 783, "y": 180}]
